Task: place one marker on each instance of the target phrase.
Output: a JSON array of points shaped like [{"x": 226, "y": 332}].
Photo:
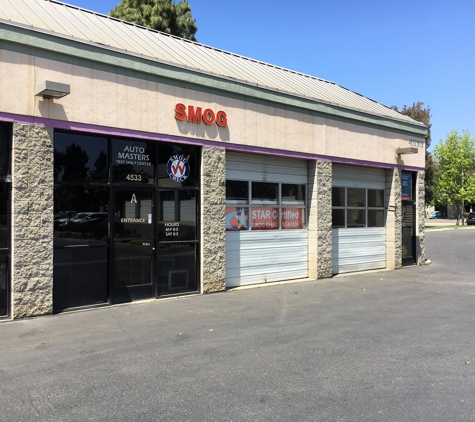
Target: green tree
[
  {"x": 162, "y": 15},
  {"x": 421, "y": 114},
  {"x": 455, "y": 163}
]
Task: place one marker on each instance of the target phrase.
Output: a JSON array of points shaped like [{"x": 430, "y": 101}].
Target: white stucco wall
[{"x": 118, "y": 101}]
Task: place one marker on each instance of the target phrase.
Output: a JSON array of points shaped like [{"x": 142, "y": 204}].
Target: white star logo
[{"x": 242, "y": 219}]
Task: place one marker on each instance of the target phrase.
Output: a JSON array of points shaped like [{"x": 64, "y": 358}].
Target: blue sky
[{"x": 394, "y": 52}]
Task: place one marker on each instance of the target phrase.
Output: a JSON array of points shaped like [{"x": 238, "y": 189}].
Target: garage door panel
[
  {"x": 259, "y": 256},
  {"x": 363, "y": 248}
]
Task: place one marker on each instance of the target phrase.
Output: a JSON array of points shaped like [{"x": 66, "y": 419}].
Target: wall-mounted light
[
  {"x": 408, "y": 150},
  {"x": 48, "y": 89}
]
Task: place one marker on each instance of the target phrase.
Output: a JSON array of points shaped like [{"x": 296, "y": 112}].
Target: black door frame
[
  {"x": 142, "y": 291},
  {"x": 8, "y": 190},
  {"x": 410, "y": 259}
]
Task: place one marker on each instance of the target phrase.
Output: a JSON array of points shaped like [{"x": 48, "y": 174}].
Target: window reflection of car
[
  {"x": 437, "y": 214},
  {"x": 62, "y": 218},
  {"x": 92, "y": 217}
]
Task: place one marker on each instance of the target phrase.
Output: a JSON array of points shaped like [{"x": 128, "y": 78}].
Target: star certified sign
[
  {"x": 178, "y": 168},
  {"x": 236, "y": 219}
]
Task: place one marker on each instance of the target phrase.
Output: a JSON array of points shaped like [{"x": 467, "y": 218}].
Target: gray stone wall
[
  {"x": 213, "y": 219},
  {"x": 420, "y": 218},
  {"x": 320, "y": 219},
  {"x": 393, "y": 219},
  {"x": 32, "y": 220}
]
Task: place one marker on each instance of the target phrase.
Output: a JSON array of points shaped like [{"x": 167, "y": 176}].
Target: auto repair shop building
[{"x": 134, "y": 165}]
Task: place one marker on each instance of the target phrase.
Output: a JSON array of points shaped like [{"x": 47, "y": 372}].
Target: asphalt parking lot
[{"x": 378, "y": 346}]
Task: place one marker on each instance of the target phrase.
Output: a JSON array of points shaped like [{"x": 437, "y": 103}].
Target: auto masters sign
[{"x": 178, "y": 168}]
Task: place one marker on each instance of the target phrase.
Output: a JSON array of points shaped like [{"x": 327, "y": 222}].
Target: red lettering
[
  {"x": 208, "y": 116},
  {"x": 221, "y": 119},
  {"x": 180, "y": 112},
  {"x": 193, "y": 116}
]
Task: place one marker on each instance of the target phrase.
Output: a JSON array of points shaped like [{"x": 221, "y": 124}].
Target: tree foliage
[
  {"x": 421, "y": 114},
  {"x": 162, "y": 15},
  {"x": 455, "y": 161}
]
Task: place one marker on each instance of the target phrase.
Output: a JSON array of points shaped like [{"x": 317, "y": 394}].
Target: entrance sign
[{"x": 178, "y": 168}]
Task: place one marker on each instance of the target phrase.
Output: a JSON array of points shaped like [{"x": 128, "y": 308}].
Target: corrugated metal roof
[{"x": 85, "y": 26}]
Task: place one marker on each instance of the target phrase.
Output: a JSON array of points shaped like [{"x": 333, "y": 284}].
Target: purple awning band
[{"x": 109, "y": 131}]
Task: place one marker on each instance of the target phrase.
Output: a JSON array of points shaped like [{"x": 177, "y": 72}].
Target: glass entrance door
[{"x": 133, "y": 244}]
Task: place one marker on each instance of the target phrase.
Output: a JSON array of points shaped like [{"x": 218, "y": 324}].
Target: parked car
[
  {"x": 470, "y": 218},
  {"x": 438, "y": 214}
]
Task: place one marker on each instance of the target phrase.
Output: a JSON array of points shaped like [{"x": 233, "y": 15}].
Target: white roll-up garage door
[
  {"x": 362, "y": 248},
  {"x": 259, "y": 256}
]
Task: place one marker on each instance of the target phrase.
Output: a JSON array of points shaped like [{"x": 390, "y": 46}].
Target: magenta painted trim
[{"x": 108, "y": 131}]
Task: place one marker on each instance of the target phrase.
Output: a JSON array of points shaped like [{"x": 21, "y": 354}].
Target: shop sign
[
  {"x": 134, "y": 156},
  {"x": 237, "y": 219},
  {"x": 197, "y": 115},
  {"x": 406, "y": 182},
  {"x": 172, "y": 229},
  {"x": 265, "y": 218},
  {"x": 292, "y": 218},
  {"x": 178, "y": 168}
]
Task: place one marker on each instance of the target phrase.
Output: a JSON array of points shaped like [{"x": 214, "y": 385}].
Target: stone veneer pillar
[
  {"x": 420, "y": 218},
  {"x": 213, "y": 219},
  {"x": 393, "y": 219},
  {"x": 319, "y": 219},
  {"x": 32, "y": 220}
]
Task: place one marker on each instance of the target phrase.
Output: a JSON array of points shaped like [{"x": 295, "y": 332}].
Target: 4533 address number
[{"x": 134, "y": 177}]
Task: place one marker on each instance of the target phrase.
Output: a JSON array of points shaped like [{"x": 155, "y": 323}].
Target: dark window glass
[
  {"x": 176, "y": 268},
  {"x": 177, "y": 216},
  {"x": 375, "y": 218},
  {"x": 293, "y": 194},
  {"x": 3, "y": 284},
  {"x": 265, "y": 193},
  {"x": 4, "y": 151},
  {"x": 80, "y": 158},
  {"x": 177, "y": 166},
  {"x": 356, "y": 197},
  {"x": 133, "y": 263},
  {"x": 338, "y": 197},
  {"x": 80, "y": 277},
  {"x": 81, "y": 217},
  {"x": 3, "y": 215},
  {"x": 375, "y": 198},
  {"x": 355, "y": 218},
  {"x": 338, "y": 218},
  {"x": 133, "y": 161},
  {"x": 237, "y": 192}
]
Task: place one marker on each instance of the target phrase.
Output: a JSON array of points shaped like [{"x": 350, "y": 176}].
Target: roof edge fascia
[{"x": 58, "y": 44}]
